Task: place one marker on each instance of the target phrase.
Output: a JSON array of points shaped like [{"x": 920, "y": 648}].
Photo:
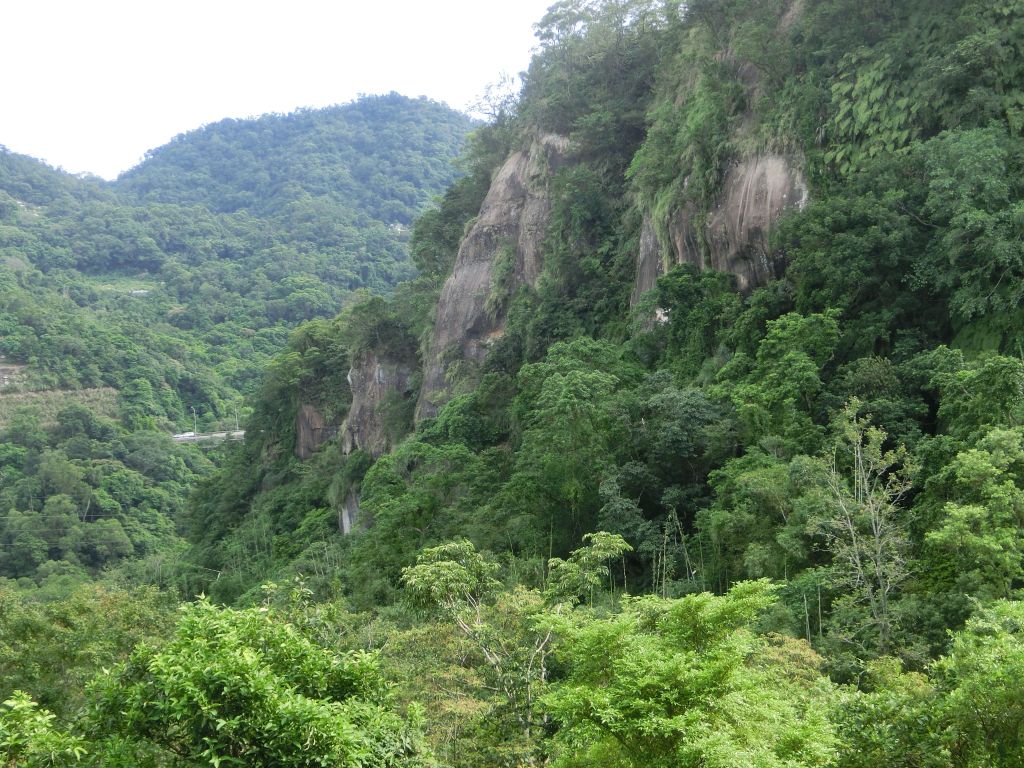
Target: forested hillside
[
  {"x": 205, "y": 268},
  {"x": 126, "y": 316},
  {"x": 382, "y": 158},
  {"x": 697, "y": 439}
]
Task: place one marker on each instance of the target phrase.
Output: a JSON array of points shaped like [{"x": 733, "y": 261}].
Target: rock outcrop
[
  {"x": 734, "y": 236},
  {"x": 500, "y": 252},
  {"x": 375, "y": 381},
  {"x": 311, "y": 431},
  {"x": 348, "y": 512},
  {"x": 649, "y": 262}
]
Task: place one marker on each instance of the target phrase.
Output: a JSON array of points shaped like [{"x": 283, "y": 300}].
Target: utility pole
[
  {"x": 195, "y": 421},
  {"x": 236, "y": 417}
]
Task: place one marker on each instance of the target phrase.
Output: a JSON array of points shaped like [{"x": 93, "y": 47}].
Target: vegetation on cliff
[{"x": 692, "y": 526}]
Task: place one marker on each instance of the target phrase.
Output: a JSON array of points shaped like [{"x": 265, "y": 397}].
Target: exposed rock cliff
[
  {"x": 348, "y": 512},
  {"x": 735, "y": 232},
  {"x": 311, "y": 431},
  {"x": 376, "y": 382},
  {"x": 649, "y": 262},
  {"x": 500, "y": 253}
]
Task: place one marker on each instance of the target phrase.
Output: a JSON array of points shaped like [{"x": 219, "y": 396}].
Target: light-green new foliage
[
  {"x": 984, "y": 701},
  {"x": 685, "y": 683},
  {"x": 244, "y": 687},
  {"x": 28, "y": 738}
]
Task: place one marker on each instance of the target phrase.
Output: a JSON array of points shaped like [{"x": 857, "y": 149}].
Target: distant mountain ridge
[
  {"x": 387, "y": 153},
  {"x": 237, "y": 231}
]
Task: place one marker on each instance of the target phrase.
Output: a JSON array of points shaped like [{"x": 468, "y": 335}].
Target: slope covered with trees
[
  {"x": 180, "y": 279},
  {"x": 842, "y": 422},
  {"x": 382, "y": 157},
  {"x": 727, "y": 466},
  {"x": 126, "y": 315}
]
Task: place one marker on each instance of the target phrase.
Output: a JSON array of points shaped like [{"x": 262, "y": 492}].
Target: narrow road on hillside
[{"x": 193, "y": 437}]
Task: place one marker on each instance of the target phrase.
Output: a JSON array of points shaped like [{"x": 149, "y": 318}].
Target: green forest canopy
[{"x": 775, "y": 528}]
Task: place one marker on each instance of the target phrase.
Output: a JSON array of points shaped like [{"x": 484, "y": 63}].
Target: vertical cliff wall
[
  {"x": 501, "y": 252},
  {"x": 377, "y": 384},
  {"x": 381, "y": 381},
  {"x": 733, "y": 236},
  {"x": 348, "y": 512},
  {"x": 311, "y": 431}
]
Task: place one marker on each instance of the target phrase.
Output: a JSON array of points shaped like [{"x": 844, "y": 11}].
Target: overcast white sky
[{"x": 90, "y": 85}]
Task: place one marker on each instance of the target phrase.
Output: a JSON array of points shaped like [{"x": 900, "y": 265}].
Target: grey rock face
[
  {"x": 348, "y": 512},
  {"x": 374, "y": 381},
  {"x": 649, "y": 263},
  {"x": 505, "y": 241},
  {"x": 755, "y": 194},
  {"x": 311, "y": 431}
]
